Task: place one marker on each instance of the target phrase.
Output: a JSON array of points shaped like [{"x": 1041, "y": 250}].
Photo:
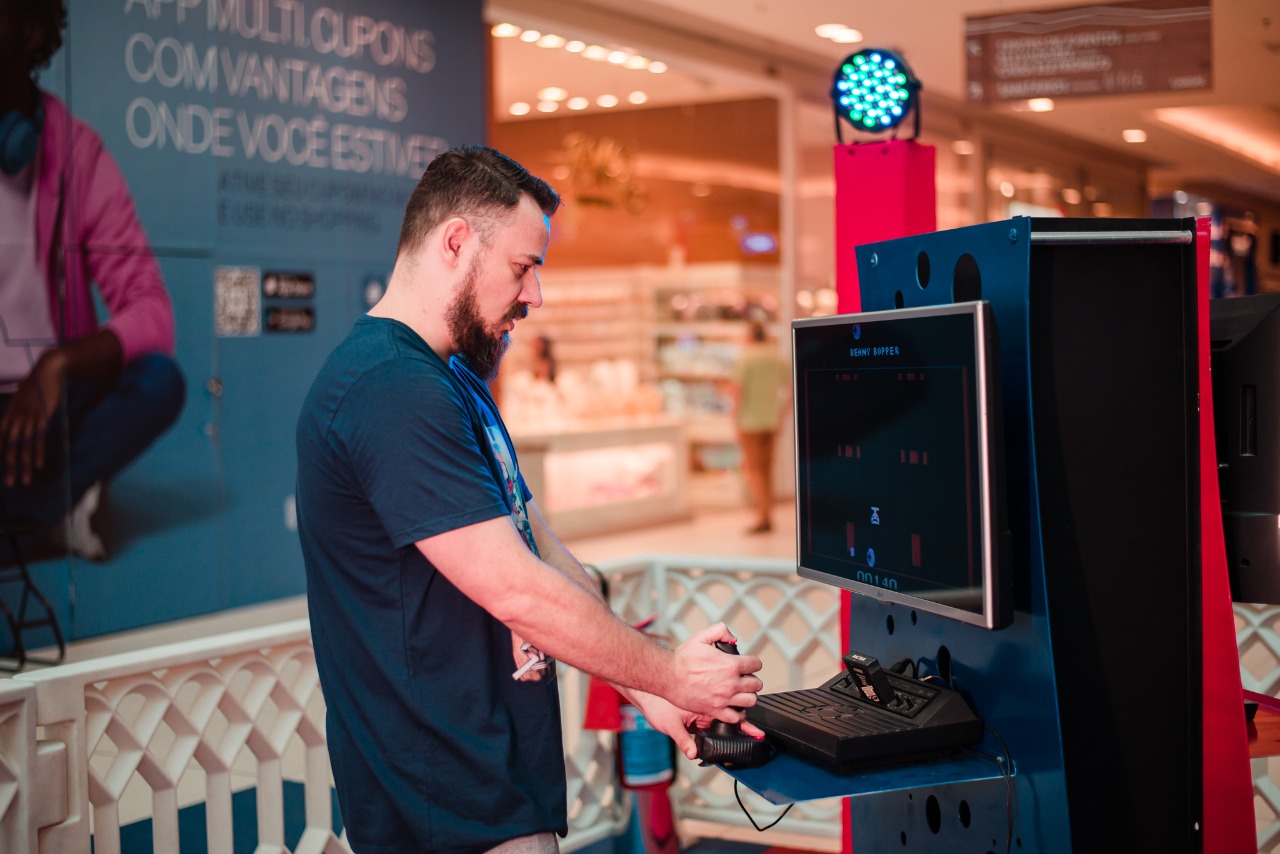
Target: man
[
  {"x": 67, "y": 222},
  {"x": 761, "y": 389},
  {"x": 429, "y": 566}
]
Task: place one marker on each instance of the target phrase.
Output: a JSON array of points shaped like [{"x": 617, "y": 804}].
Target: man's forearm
[
  {"x": 554, "y": 553},
  {"x": 569, "y": 621}
]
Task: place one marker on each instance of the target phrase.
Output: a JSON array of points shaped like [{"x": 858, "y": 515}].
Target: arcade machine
[{"x": 1001, "y": 455}]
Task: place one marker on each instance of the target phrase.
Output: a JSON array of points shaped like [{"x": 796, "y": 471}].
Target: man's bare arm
[
  {"x": 491, "y": 565},
  {"x": 552, "y": 551},
  {"x": 660, "y": 713}
]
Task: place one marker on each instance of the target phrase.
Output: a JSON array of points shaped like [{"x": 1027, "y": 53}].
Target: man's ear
[{"x": 455, "y": 234}]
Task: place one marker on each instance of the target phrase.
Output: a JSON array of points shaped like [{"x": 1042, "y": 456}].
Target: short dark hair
[
  {"x": 473, "y": 182},
  {"x": 49, "y": 16}
]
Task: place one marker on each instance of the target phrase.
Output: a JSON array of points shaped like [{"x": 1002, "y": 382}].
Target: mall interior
[{"x": 164, "y": 696}]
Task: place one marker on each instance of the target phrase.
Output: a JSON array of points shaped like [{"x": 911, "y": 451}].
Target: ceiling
[{"x": 1225, "y": 137}]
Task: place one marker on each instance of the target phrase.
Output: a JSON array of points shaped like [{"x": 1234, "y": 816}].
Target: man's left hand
[{"x": 678, "y": 724}]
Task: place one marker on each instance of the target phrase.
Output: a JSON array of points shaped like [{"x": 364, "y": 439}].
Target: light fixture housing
[{"x": 875, "y": 91}]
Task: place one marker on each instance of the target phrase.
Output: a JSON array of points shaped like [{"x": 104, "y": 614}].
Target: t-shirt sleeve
[{"x": 415, "y": 454}]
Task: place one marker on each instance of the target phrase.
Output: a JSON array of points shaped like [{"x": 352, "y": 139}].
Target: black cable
[
  {"x": 743, "y": 807},
  {"x": 1005, "y": 764}
]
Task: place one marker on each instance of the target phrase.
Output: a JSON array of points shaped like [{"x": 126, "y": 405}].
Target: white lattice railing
[
  {"x": 1258, "y": 639},
  {"x": 791, "y": 624},
  {"x": 88, "y": 748}
]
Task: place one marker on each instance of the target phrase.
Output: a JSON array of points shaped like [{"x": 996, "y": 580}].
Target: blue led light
[{"x": 874, "y": 89}]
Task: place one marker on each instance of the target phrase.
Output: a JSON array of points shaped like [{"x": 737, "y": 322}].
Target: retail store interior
[{"x": 693, "y": 148}]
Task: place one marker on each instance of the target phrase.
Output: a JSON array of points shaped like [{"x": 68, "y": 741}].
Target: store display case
[{"x": 596, "y": 477}]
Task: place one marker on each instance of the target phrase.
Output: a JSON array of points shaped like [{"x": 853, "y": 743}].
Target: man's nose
[{"x": 531, "y": 294}]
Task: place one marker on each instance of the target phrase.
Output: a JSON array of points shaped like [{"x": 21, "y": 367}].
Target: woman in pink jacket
[{"x": 78, "y": 400}]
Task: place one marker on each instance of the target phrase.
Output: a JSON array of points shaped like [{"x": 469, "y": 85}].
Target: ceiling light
[
  {"x": 1006, "y": 189},
  {"x": 874, "y": 90},
  {"x": 551, "y": 40},
  {"x": 657, "y": 67},
  {"x": 595, "y": 51},
  {"x": 636, "y": 61},
  {"x": 504, "y": 31},
  {"x": 607, "y": 101},
  {"x": 1040, "y": 105},
  {"x": 964, "y": 147},
  {"x": 578, "y": 103},
  {"x": 617, "y": 57},
  {"x": 1134, "y": 135},
  {"x": 519, "y": 108},
  {"x": 1071, "y": 196},
  {"x": 548, "y": 106},
  {"x": 637, "y": 98},
  {"x": 838, "y": 33},
  {"x": 575, "y": 46},
  {"x": 530, "y": 36},
  {"x": 553, "y": 93}
]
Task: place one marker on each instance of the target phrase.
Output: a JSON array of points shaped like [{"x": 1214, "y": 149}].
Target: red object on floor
[{"x": 603, "y": 704}]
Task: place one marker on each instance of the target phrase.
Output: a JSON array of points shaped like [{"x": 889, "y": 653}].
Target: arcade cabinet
[{"x": 1004, "y": 459}]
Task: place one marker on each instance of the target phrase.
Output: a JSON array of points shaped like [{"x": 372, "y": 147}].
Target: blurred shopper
[
  {"x": 436, "y": 590},
  {"x": 78, "y": 401},
  {"x": 544, "y": 359},
  {"x": 762, "y": 387}
]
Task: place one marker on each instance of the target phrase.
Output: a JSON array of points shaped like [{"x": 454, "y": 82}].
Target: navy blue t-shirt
[{"x": 434, "y": 746}]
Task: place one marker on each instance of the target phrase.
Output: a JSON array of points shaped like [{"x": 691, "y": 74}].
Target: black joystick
[{"x": 726, "y": 744}]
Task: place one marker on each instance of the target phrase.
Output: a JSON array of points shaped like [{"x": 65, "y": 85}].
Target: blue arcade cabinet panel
[{"x": 1096, "y": 325}]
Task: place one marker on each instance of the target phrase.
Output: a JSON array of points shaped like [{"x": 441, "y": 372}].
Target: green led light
[{"x": 874, "y": 89}]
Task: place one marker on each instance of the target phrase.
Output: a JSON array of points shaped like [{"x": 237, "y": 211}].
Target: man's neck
[{"x": 408, "y": 312}]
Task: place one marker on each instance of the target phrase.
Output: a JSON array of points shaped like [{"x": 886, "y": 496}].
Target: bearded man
[{"x": 439, "y": 598}]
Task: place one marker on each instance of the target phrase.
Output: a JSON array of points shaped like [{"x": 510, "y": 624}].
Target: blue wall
[{"x": 277, "y": 137}]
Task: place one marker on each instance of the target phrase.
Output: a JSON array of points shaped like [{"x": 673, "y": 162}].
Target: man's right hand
[{"x": 711, "y": 682}]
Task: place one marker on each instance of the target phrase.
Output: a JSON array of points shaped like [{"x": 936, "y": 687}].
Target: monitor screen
[{"x": 899, "y": 483}]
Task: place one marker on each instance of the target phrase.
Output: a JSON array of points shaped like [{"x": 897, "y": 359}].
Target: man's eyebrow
[{"x": 535, "y": 260}]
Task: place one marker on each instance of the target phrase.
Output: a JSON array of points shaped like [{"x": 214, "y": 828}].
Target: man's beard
[{"x": 477, "y": 343}]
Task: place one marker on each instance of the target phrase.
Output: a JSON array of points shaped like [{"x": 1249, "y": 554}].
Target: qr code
[{"x": 237, "y": 301}]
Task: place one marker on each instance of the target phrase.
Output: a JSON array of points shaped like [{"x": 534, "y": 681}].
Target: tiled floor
[{"x": 720, "y": 532}]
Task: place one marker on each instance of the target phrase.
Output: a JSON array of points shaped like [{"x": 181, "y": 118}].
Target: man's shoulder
[
  {"x": 388, "y": 348},
  {"x": 377, "y": 361}
]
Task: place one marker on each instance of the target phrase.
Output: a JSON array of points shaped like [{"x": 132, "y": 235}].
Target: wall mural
[{"x": 218, "y": 183}]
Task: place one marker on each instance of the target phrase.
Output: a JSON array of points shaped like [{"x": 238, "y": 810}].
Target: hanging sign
[{"x": 1088, "y": 51}]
